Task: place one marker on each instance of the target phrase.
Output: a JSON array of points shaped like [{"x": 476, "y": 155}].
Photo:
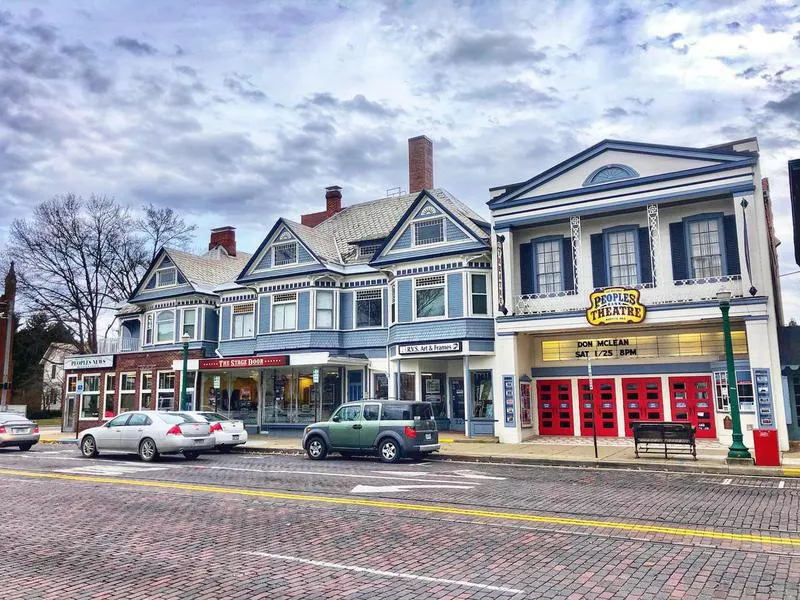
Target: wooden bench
[{"x": 658, "y": 438}]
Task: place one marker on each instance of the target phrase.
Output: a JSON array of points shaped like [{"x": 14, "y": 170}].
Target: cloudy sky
[{"x": 237, "y": 112}]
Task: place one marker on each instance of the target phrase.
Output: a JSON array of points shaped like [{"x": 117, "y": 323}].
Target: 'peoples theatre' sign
[{"x": 615, "y": 305}]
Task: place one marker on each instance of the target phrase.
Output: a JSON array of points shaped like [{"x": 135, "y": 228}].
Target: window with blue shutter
[
  {"x": 731, "y": 245},
  {"x": 548, "y": 265},
  {"x": 621, "y": 247},
  {"x": 526, "y": 268},
  {"x": 598, "y": 260}
]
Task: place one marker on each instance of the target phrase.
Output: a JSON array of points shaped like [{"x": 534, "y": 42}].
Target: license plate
[
  {"x": 235, "y": 437},
  {"x": 427, "y": 436},
  {"x": 198, "y": 441},
  {"x": 20, "y": 430}
]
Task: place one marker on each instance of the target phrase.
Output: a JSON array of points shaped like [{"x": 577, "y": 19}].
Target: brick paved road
[{"x": 539, "y": 532}]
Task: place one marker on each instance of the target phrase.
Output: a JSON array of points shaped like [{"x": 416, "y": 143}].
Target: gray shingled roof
[
  {"x": 317, "y": 241},
  {"x": 374, "y": 220},
  {"x": 209, "y": 269}
]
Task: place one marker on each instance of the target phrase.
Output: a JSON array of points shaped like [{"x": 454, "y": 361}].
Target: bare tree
[{"x": 163, "y": 227}]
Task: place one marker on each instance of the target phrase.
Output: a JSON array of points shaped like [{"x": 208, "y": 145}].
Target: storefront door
[
  {"x": 642, "y": 400},
  {"x": 555, "y": 406},
  {"x": 69, "y": 414},
  {"x": 598, "y": 405},
  {"x": 690, "y": 399},
  {"x": 354, "y": 386},
  {"x": 457, "y": 403}
]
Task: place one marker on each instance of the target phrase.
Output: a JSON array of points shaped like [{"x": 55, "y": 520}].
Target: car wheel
[
  {"x": 191, "y": 454},
  {"x": 25, "y": 447},
  {"x": 148, "y": 451},
  {"x": 89, "y": 447},
  {"x": 316, "y": 448},
  {"x": 389, "y": 451},
  {"x": 224, "y": 449}
]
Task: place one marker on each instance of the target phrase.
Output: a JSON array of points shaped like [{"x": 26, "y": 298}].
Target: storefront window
[
  {"x": 291, "y": 396},
  {"x": 109, "y": 408},
  {"x": 127, "y": 392},
  {"x": 146, "y": 392},
  {"x": 744, "y": 389},
  {"x": 408, "y": 386},
  {"x": 90, "y": 398},
  {"x": 482, "y": 394},
  {"x": 331, "y": 392},
  {"x": 433, "y": 389},
  {"x": 381, "y": 386},
  {"x": 166, "y": 390}
]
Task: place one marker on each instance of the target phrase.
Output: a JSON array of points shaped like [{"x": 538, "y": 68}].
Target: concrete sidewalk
[{"x": 614, "y": 453}]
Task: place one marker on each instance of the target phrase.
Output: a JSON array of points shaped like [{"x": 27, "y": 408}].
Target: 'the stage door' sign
[{"x": 615, "y": 305}]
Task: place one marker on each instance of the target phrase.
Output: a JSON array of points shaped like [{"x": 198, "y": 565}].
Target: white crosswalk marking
[{"x": 111, "y": 469}]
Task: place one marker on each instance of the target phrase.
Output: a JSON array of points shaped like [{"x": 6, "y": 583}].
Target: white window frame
[
  {"x": 488, "y": 280},
  {"x": 132, "y": 375},
  {"x": 332, "y": 308},
  {"x": 393, "y": 303},
  {"x": 174, "y": 325},
  {"x": 143, "y": 390},
  {"x": 275, "y": 247},
  {"x": 160, "y": 285},
  {"x": 196, "y": 312},
  {"x": 160, "y": 389},
  {"x": 107, "y": 393},
  {"x": 426, "y": 221},
  {"x": 83, "y": 394},
  {"x": 443, "y": 285},
  {"x": 368, "y": 250},
  {"x": 284, "y": 300},
  {"x": 244, "y": 336},
  {"x": 71, "y": 378},
  {"x": 355, "y": 308}
]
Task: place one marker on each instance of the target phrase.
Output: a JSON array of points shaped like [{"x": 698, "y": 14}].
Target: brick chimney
[
  {"x": 225, "y": 237},
  {"x": 333, "y": 205},
  {"x": 420, "y": 164}
]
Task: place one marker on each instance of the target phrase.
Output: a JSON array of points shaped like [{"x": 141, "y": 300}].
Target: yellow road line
[
  {"x": 791, "y": 472},
  {"x": 448, "y": 510}
]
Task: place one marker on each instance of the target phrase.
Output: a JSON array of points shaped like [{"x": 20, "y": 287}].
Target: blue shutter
[
  {"x": 567, "y": 273},
  {"x": 645, "y": 268},
  {"x": 263, "y": 315},
  {"x": 303, "y": 308},
  {"x": 211, "y": 324},
  {"x": 680, "y": 257},
  {"x": 346, "y": 310},
  {"x": 599, "y": 279},
  {"x": 526, "y": 268},
  {"x": 226, "y": 323},
  {"x": 385, "y": 307},
  {"x": 404, "y": 301},
  {"x": 455, "y": 296},
  {"x": 731, "y": 246}
]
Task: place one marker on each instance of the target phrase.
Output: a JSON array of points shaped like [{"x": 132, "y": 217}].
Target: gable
[
  {"x": 162, "y": 278},
  {"x": 426, "y": 226},
  {"x": 616, "y": 163},
  {"x": 281, "y": 250}
]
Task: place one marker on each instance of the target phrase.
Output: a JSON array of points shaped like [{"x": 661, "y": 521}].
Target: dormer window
[
  {"x": 368, "y": 250},
  {"x": 285, "y": 254},
  {"x": 166, "y": 277},
  {"x": 430, "y": 231}
]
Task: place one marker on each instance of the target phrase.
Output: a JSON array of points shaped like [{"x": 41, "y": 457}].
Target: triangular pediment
[
  {"x": 281, "y": 249},
  {"x": 162, "y": 275},
  {"x": 613, "y": 163}
]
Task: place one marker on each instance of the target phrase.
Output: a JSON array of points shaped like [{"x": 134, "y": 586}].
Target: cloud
[
  {"x": 789, "y": 106},
  {"x": 134, "y": 46},
  {"x": 490, "y": 48},
  {"x": 751, "y": 72},
  {"x": 358, "y": 104},
  {"x": 512, "y": 93},
  {"x": 242, "y": 87}
]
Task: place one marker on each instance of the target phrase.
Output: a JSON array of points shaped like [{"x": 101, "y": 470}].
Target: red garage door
[
  {"x": 555, "y": 406},
  {"x": 599, "y": 403},
  {"x": 643, "y": 400}
]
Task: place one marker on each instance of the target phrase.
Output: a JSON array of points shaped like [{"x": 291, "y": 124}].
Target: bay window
[
  {"x": 430, "y": 296},
  {"x": 479, "y": 293},
  {"x": 324, "y": 310},
  {"x": 369, "y": 308},
  {"x": 190, "y": 322},
  {"x": 284, "y": 312},
  {"x": 243, "y": 324},
  {"x": 165, "y": 326}
]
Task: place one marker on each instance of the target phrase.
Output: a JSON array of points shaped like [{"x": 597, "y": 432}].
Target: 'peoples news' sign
[{"x": 615, "y": 305}]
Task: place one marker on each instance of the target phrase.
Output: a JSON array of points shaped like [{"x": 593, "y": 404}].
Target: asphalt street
[{"x": 265, "y": 526}]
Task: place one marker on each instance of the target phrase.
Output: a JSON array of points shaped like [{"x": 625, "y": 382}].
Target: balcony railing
[
  {"x": 673, "y": 292},
  {"x": 129, "y": 345}
]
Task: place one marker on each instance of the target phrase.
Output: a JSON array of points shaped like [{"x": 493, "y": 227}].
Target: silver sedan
[
  {"x": 16, "y": 430},
  {"x": 149, "y": 433},
  {"x": 228, "y": 433}
]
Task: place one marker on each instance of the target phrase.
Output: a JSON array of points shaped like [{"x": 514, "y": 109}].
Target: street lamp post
[
  {"x": 737, "y": 449},
  {"x": 185, "y": 339}
]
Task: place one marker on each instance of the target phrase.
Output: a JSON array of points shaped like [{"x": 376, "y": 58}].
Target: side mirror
[{"x": 336, "y": 419}]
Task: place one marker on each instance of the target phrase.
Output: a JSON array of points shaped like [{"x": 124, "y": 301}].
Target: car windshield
[
  {"x": 213, "y": 417},
  {"x": 422, "y": 411},
  {"x": 176, "y": 418}
]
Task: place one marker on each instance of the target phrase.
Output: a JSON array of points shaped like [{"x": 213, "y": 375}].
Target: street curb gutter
[{"x": 549, "y": 462}]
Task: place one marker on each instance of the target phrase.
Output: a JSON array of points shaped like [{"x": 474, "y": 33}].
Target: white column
[
  {"x": 505, "y": 364},
  {"x": 762, "y": 348},
  {"x": 656, "y": 255},
  {"x": 665, "y": 398},
  {"x": 577, "y": 254},
  {"x": 576, "y": 405},
  {"x": 467, "y": 398},
  {"x": 619, "y": 393}
]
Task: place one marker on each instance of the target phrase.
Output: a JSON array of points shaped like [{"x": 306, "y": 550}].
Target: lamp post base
[
  {"x": 739, "y": 462},
  {"x": 738, "y": 451}
]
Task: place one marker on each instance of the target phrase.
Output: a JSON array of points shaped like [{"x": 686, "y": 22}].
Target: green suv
[{"x": 392, "y": 429}]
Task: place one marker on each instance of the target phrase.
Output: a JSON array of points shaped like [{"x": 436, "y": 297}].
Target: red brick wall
[
  {"x": 420, "y": 164},
  {"x": 225, "y": 237},
  {"x": 138, "y": 363}
]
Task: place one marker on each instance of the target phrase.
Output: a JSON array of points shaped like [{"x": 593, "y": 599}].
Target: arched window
[
  {"x": 608, "y": 173},
  {"x": 165, "y": 326}
]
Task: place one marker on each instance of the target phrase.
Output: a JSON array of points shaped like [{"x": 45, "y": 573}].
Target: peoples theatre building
[{"x": 592, "y": 300}]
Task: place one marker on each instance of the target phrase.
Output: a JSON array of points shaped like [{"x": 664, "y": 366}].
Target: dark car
[{"x": 389, "y": 428}]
